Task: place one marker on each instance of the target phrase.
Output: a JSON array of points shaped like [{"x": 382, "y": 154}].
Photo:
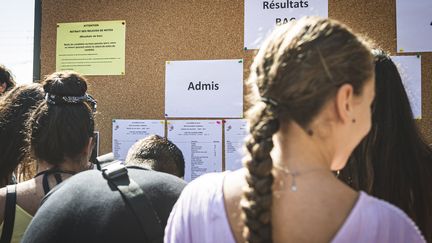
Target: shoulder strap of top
[
  {"x": 57, "y": 177},
  {"x": 9, "y": 214}
]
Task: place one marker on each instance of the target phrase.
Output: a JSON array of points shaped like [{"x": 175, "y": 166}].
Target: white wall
[{"x": 16, "y": 38}]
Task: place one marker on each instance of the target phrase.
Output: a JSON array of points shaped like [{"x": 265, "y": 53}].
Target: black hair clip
[
  {"x": 58, "y": 100},
  {"x": 92, "y": 102}
]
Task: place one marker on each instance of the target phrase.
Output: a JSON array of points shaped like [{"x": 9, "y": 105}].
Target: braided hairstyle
[
  {"x": 299, "y": 67},
  {"x": 62, "y": 124}
]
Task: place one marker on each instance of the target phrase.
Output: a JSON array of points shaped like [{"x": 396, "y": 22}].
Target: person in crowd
[
  {"x": 393, "y": 162},
  {"x": 6, "y": 80},
  {"x": 118, "y": 204},
  {"x": 314, "y": 86},
  {"x": 157, "y": 153},
  {"x": 60, "y": 135},
  {"x": 15, "y": 109}
]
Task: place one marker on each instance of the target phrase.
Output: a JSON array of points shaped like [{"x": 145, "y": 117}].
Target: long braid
[
  {"x": 257, "y": 200},
  {"x": 263, "y": 123}
]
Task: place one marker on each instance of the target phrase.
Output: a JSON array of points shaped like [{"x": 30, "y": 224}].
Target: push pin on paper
[{"x": 218, "y": 122}]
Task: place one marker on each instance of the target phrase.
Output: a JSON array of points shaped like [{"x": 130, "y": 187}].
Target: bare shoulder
[
  {"x": 233, "y": 191},
  {"x": 26, "y": 197},
  {"x": 233, "y": 185},
  {"x": 29, "y": 196}
]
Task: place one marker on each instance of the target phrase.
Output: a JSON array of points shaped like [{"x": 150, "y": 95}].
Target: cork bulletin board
[{"x": 158, "y": 31}]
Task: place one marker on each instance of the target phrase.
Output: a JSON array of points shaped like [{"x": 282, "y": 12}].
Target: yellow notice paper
[{"x": 91, "y": 48}]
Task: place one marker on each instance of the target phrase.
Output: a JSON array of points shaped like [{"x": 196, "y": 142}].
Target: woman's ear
[{"x": 344, "y": 102}]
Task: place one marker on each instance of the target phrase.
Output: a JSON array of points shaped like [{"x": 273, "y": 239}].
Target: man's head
[{"x": 157, "y": 153}]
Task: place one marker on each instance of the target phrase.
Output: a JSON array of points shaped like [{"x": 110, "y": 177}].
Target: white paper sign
[
  {"x": 235, "y": 134},
  {"x": 203, "y": 89},
  {"x": 414, "y": 25},
  {"x": 201, "y": 144},
  {"x": 16, "y": 38},
  {"x": 410, "y": 70},
  {"x": 127, "y": 132},
  {"x": 262, "y": 16}
]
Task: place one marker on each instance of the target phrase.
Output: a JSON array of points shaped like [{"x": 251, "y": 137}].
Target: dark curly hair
[{"x": 15, "y": 110}]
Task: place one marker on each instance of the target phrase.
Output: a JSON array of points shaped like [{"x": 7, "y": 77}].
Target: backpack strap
[
  {"x": 117, "y": 175},
  {"x": 9, "y": 214}
]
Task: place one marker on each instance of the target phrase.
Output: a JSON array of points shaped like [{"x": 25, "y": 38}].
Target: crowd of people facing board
[{"x": 333, "y": 155}]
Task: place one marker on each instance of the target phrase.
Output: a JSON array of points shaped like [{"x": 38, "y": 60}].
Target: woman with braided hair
[
  {"x": 313, "y": 83},
  {"x": 60, "y": 136}
]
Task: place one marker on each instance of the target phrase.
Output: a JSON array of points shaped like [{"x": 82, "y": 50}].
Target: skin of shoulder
[
  {"x": 337, "y": 202},
  {"x": 233, "y": 191},
  {"x": 28, "y": 197}
]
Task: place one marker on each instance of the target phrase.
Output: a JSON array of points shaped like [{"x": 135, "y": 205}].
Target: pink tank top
[{"x": 200, "y": 216}]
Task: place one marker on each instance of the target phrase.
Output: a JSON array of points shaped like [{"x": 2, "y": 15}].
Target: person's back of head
[
  {"x": 393, "y": 162},
  {"x": 87, "y": 208},
  {"x": 61, "y": 128},
  {"x": 157, "y": 153},
  {"x": 15, "y": 109},
  {"x": 301, "y": 67},
  {"x": 6, "y": 80}
]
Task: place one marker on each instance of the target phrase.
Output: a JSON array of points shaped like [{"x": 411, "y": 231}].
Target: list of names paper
[
  {"x": 235, "y": 134},
  {"x": 201, "y": 144},
  {"x": 127, "y": 132}
]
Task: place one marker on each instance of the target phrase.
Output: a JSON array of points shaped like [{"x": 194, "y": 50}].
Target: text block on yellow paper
[{"x": 91, "y": 48}]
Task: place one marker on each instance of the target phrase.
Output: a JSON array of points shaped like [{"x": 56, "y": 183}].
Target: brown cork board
[{"x": 158, "y": 31}]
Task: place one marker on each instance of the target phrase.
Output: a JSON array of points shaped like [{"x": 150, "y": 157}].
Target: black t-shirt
[{"x": 85, "y": 208}]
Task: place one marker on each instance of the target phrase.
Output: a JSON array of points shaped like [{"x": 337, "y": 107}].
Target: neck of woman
[
  {"x": 66, "y": 165},
  {"x": 298, "y": 152}
]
